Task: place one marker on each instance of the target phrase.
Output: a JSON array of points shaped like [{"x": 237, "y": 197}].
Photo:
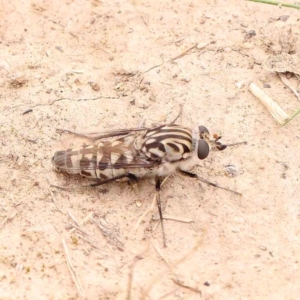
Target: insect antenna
[{"x": 239, "y": 143}]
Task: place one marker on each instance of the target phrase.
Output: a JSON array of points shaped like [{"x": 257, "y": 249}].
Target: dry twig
[
  {"x": 111, "y": 234},
  {"x": 188, "y": 50},
  {"x": 167, "y": 294},
  {"x": 187, "y": 286},
  {"x": 136, "y": 259},
  {"x": 169, "y": 217},
  {"x": 72, "y": 217},
  {"x": 161, "y": 274},
  {"x": 87, "y": 237},
  {"x": 276, "y": 111},
  {"x": 9, "y": 218},
  {"x": 54, "y": 201},
  {"x": 164, "y": 259},
  {"x": 72, "y": 270}
]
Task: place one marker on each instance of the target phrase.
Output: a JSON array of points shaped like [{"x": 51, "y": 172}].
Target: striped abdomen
[{"x": 102, "y": 160}]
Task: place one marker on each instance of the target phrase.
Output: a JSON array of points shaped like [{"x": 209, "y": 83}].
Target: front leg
[
  {"x": 192, "y": 175},
  {"x": 186, "y": 173},
  {"x": 108, "y": 180},
  {"x": 189, "y": 174},
  {"x": 133, "y": 182}
]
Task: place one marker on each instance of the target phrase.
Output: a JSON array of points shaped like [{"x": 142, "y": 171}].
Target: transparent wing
[
  {"x": 84, "y": 153},
  {"x": 93, "y": 136}
]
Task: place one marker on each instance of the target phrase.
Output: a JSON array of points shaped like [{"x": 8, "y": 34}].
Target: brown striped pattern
[
  {"x": 138, "y": 153},
  {"x": 169, "y": 142}
]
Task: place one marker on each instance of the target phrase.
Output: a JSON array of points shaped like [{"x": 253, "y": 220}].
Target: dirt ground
[{"x": 93, "y": 65}]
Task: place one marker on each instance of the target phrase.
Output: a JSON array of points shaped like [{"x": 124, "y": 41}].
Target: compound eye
[
  {"x": 203, "y": 149},
  {"x": 203, "y": 129}
]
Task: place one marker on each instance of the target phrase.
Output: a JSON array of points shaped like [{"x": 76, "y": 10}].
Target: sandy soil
[{"x": 92, "y": 65}]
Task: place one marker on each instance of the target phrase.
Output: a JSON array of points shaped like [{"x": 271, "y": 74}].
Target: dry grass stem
[
  {"x": 156, "y": 248},
  {"x": 276, "y": 111},
  {"x": 161, "y": 274},
  {"x": 72, "y": 270},
  {"x": 132, "y": 266},
  {"x": 130, "y": 277},
  {"x": 9, "y": 218},
  {"x": 167, "y": 294},
  {"x": 87, "y": 237},
  {"x": 88, "y": 218},
  {"x": 188, "y": 50},
  {"x": 54, "y": 201},
  {"x": 72, "y": 217},
  {"x": 111, "y": 234},
  {"x": 187, "y": 286},
  {"x": 169, "y": 217}
]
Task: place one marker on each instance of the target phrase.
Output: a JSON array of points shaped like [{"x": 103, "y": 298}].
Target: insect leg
[
  {"x": 132, "y": 178},
  {"x": 186, "y": 173},
  {"x": 158, "y": 186},
  {"x": 133, "y": 182},
  {"x": 100, "y": 182},
  {"x": 239, "y": 143}
]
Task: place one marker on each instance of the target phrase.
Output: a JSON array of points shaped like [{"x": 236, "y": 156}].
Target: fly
[{"x": 140, "y": 152}]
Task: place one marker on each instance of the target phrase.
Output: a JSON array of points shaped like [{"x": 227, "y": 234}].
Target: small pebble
[
  {"x": 186, "y": 80},
  {"x": 77, "y": 81},
  {"x": 95, "y": 86},
  {"x": 250, "y": 34},
  {"x": 17, "y": 82},
  {"x": 27, "y": 111},
  {"x": 263, "y": 248},
  {"x": 240, "y": 84},
  {"x": 283, "y": 18},
  {"x": 231, "y": 171},
  {"x": 209, "y": 16},
  {"x": 246, "y": 45}
]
